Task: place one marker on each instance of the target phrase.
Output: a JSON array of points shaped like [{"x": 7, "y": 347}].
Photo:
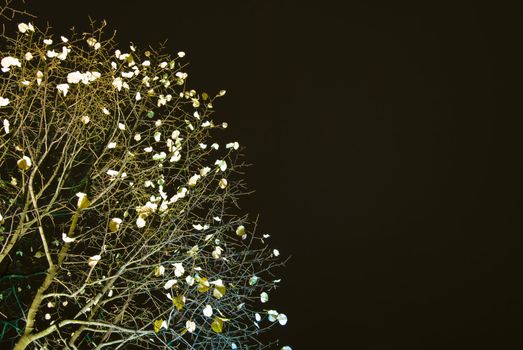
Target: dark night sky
[{"x": 387, "y": 151}]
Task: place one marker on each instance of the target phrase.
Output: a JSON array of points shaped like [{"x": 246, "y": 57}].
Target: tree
[{"x": 119, "y": 212}]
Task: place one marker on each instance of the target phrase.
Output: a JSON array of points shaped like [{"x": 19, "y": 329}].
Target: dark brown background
[{"x": 387, "y": 151}]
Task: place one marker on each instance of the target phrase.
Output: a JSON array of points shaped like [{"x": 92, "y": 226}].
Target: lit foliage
[{"x": 153, "y": 253}]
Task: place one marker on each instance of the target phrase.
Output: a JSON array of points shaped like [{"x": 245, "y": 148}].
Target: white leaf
[
  {"x": 22, "y": 27},
  {"x": 189, "y": 280},
  {"x": 193, "y": 179},
  {"x": 190, "y": 326},
  {"x": 204, "y": 171},
  {"x": 178, "y": 269},
  {"x": 234, "y": 145},
  {"x": 93, "y": 260},
  {"x": 4, "y": 101},
  {"x": 222, "y": 164},
  {"x": 169, "y": 284},
  {"x": 264, "y": 297},
  {"x": 207, "y": 311},
  {"x": 67, "y": 239},
  {"x": 273, "y": 315},
  {"x": 140, "y": 222},
  {"x": 217, "y": 252},
  {"x": 112, "y": 173},
  {"x": 9, "y": 61},
  {"x": 282, "y": 319},
  {"x": 63, "y": 88},
  {"x": 222, "y": 183}
]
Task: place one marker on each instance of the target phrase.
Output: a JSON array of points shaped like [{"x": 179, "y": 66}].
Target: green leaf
[{"x": 253, "y": 280}]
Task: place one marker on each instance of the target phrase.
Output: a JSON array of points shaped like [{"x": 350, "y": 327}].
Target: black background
[{"x": 387, "y": 151}]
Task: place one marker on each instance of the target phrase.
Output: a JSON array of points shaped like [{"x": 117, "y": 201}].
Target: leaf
[
  {"x": 24, "y": 163},
  {"x": 207, "y": 311},
  {"x": 158, "y": 325},
  {"x": 203, "y": 285},
  {"x": 179, "y": 302},
  {"x": 83, "y": 202},
  {"x": 114, "y": 224},
  {"x": 264, "y": 297},
  {"x": 93, "y": 260},
  {"x": 217, "y": 325},
  {"x": 67, "y": 239},
  {"x": 218, "y": 292},
  {"x": 129, "y": 59},
  {"x": 282, "y": 319},
  {"x": 240, "y": 231},
  {"x": 253, "y": 280},
  {"x": 159, "y": 270},
  {"x": 169, "y": 284}
]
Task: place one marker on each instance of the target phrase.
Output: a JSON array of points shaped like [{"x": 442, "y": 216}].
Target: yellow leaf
[
  {"x": 218, "y": 292},
  {"x": 179, "y": 302},
  {"x": 159, "y": 270},
  {"x": 83, "y": 201},
  {"x": 114, "y": 224},
  {"x": 240, "y": 231},
  {"x": 203, "y": 285},
  {"x": 24, "y": 163},
  {"x": 217, "y": 325},
  {"x": 158, "y": 325}
]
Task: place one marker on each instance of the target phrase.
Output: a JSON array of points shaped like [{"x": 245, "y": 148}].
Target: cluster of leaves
[{"x": 108, "y": 160}]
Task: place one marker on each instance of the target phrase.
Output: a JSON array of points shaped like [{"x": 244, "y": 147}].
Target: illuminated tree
[{"x": 120, "y": 203}]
